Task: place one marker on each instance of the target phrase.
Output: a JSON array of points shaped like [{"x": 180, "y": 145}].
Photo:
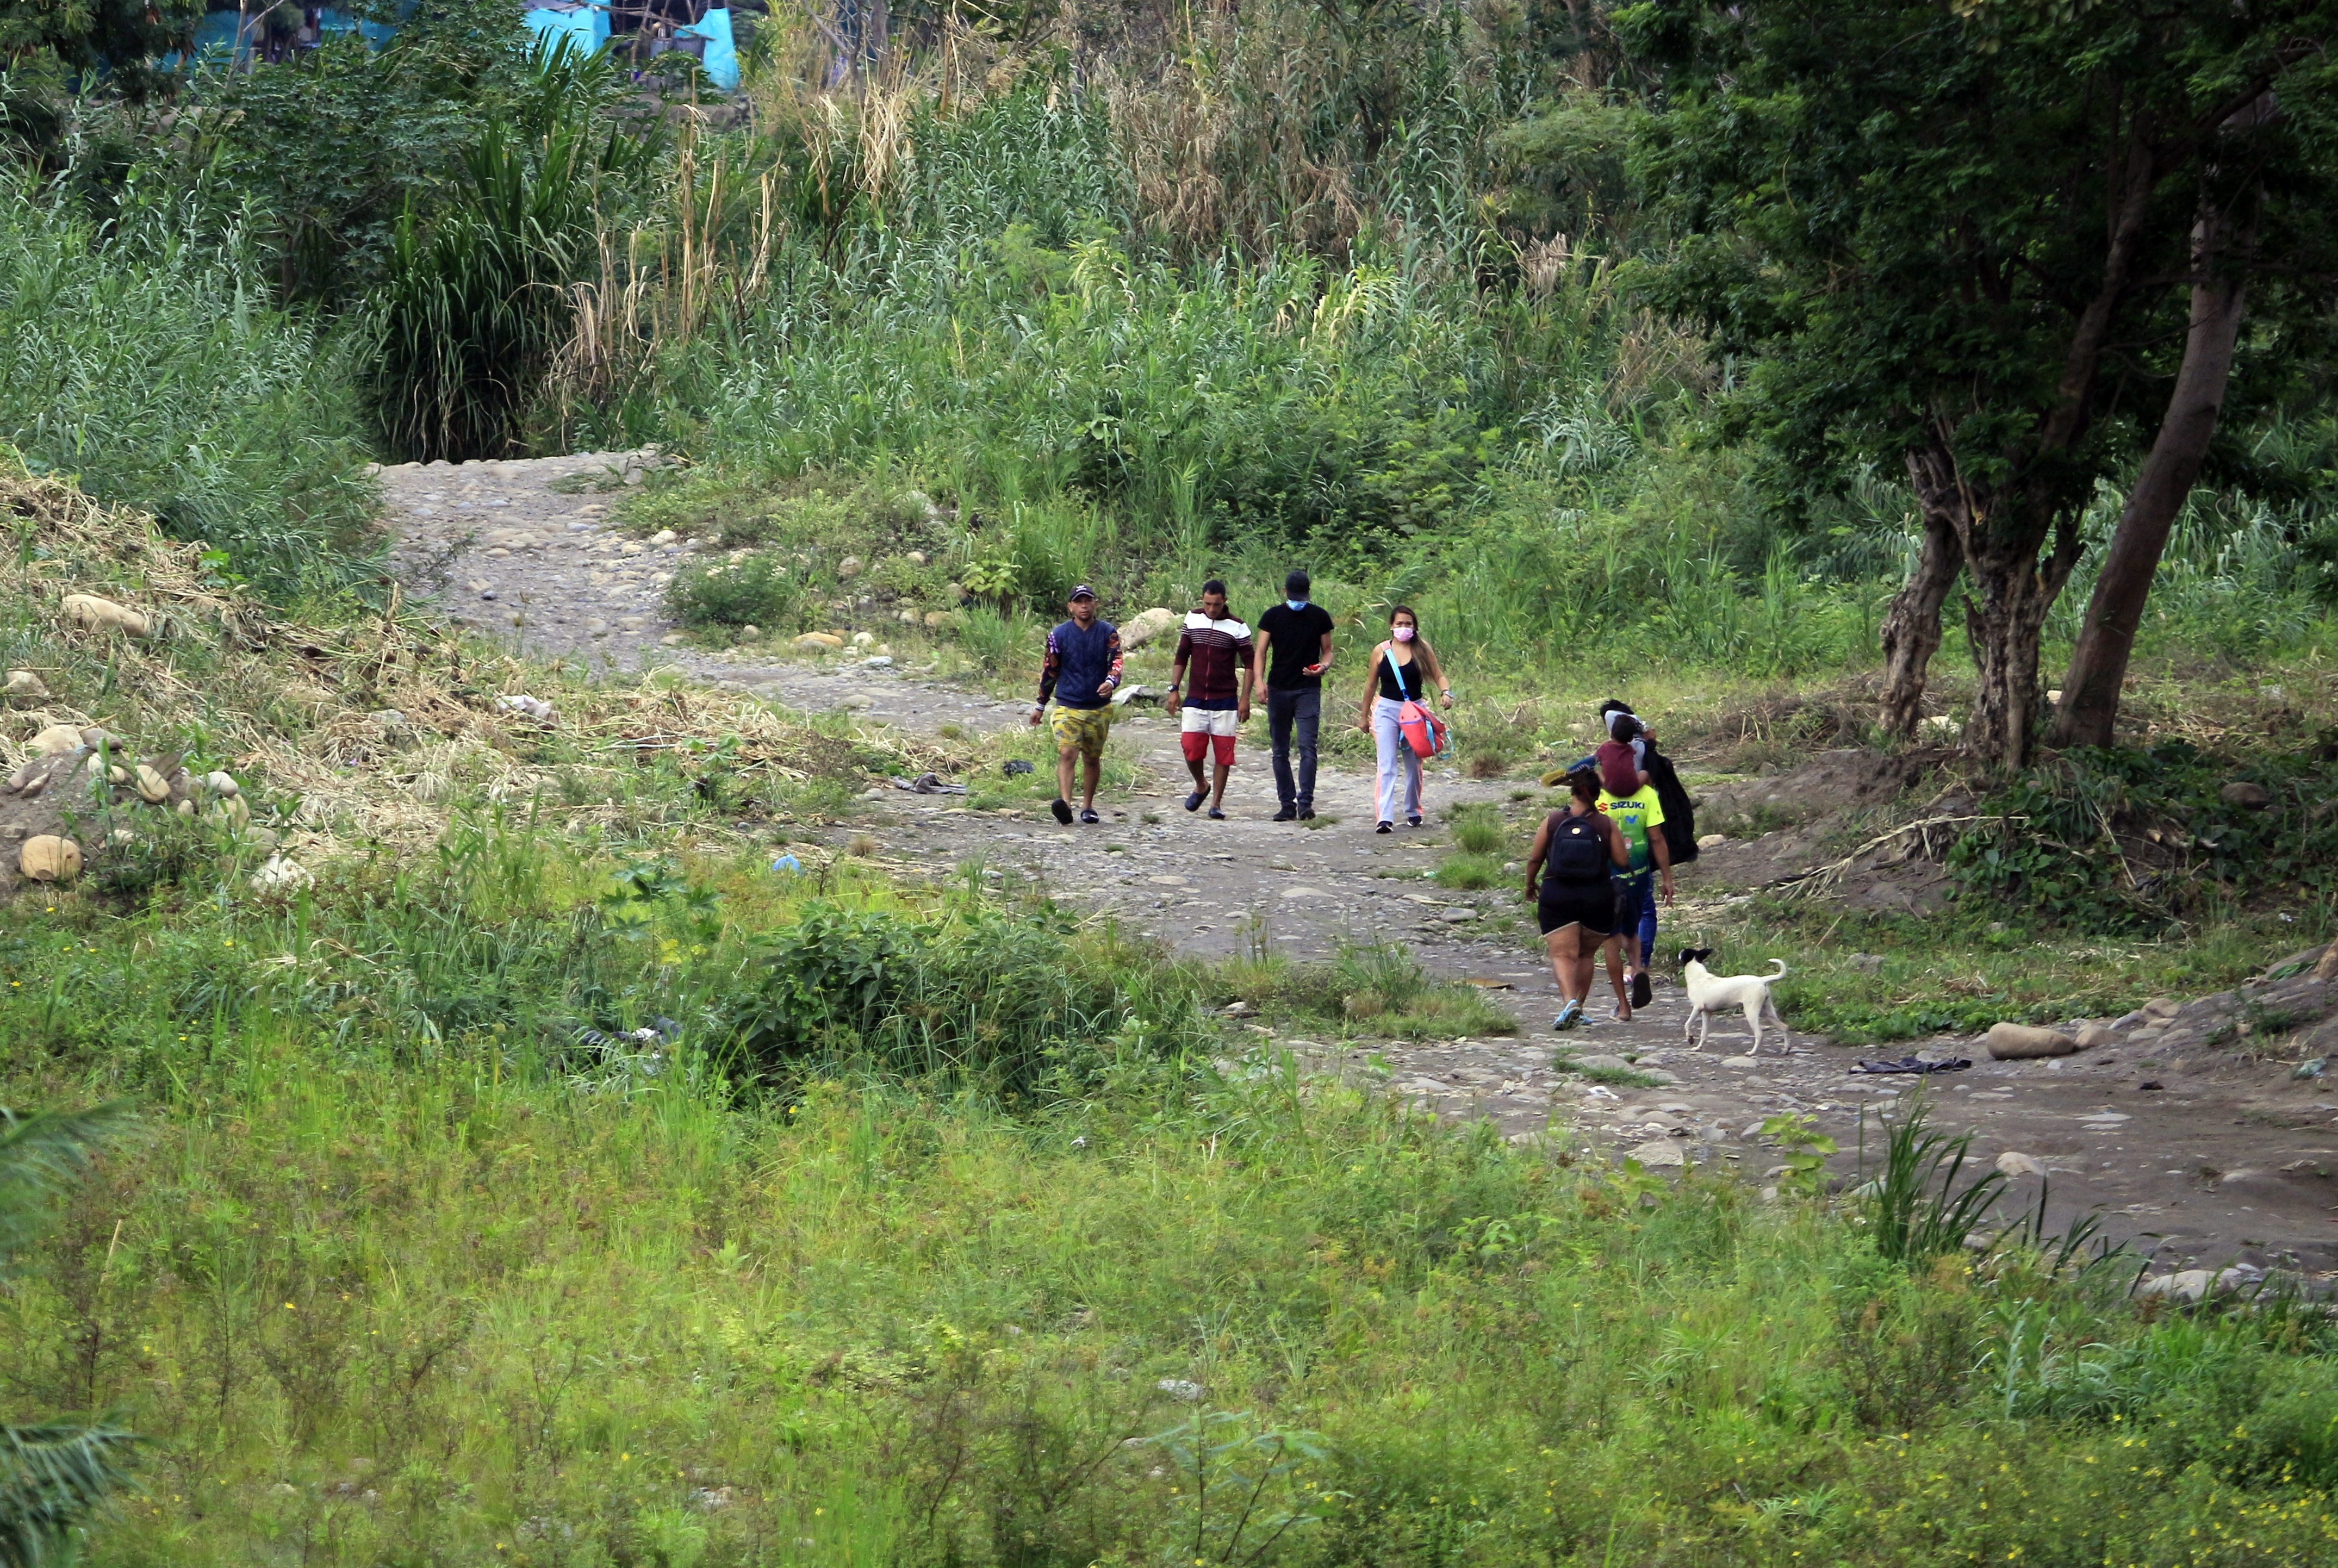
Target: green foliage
[
  {"x": 1925, "y": 156},
  {"x": 1478, "y": 829},
  {"x": 476, "y": 303},
  {"x": 760, "y": 589},
  {"x": 141, "y": 359},
  {"x": 975, "y": 993},
  {"x": 1468, "y": 872},
  {"x": 2129, "y": 840},
  {"x": 1916, "y": 1212},
  {"x": 53, "y": 1473},
  {"x": 124, "y": 38},
  {"x": 332, "y": 144},
  {"x": 1806, "y": 1150}
]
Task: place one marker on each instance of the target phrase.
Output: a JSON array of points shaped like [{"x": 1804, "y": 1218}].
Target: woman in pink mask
[{"x": 1402, "y": 668}]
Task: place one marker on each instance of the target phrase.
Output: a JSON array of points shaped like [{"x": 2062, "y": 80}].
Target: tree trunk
[
  {"x": 2091, "y": 691},
  {"x": 1911, "y": 626},
  {"x": 2004, "y": 617},
  {"x": 2012, "y": 588}
]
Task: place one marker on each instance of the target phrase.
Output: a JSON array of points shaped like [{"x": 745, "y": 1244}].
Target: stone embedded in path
[
  {"x": 1660, "y": 1152},
  {"x": 2016, "y": 1165},
  {"x": 2010, "y": 1041}
]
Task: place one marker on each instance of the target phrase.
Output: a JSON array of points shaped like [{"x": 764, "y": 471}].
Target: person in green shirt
[{"x": 1639, "y": 815}]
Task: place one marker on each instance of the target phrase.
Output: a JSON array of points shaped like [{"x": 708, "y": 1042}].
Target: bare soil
[{"x": 2193, "y": 1151}]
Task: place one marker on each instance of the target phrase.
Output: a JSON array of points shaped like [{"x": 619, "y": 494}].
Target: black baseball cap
[{"x": 1082, "y": 592}]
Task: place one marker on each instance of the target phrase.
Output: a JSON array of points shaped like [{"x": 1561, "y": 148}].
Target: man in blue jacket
[{"x": 1082, "y": 671}]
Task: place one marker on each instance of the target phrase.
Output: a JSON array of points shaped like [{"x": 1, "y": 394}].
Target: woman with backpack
[
  {"x": 1398, "y": 676},
  {"x": 1577, "y": 853}
]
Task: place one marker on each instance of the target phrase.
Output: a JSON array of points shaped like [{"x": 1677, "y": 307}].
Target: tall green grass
[
  {"x": 143, "y": 357},
  {"x": 457, "y": 1309},
  {"x": 478, "y": 304}
]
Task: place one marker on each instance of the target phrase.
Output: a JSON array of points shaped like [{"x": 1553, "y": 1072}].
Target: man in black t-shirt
[{"x": 1294, "y": 649}]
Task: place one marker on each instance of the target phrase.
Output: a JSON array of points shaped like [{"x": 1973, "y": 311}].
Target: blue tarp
[
  {"x": 588, "y": 25},
  {"x": 216, "y": 35},
  {"x": 720, "y": 60}
]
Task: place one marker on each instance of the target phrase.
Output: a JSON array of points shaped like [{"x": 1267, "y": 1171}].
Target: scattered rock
[
  {"x": 1146, "y": 625},
  {"x": 1183, "y": 1388},
  {"x": 1866, "y": 963},
  {"x": 1942, "y": 727},
  {"x": 819, "y": 640},
  {"x": 1457, "y": 916},
  {"x": 2017, "y": 1165},
  {"x": 26, "y": 685},
  {"x": 279, "y": 875},
  {"x": 2093, "y": 1034},
  {"x": 2160, "y": 1008},
  {"x": 55, "y": 741},
  {"x": 2022, "y": 1043},
  {"x": 153, "y": 788},
  {"x": 1660, "y": 1153},
  {"x": 527, "y": 707},
  {"x": 91, "y": 613},
  {"x": 936, "y": 619},
  {"x": 956, "y": 591},
  {"x": 2327, "y": 969},
  {"x": 2189, "y": 1285},
  {"x": 848, "y": 567},
  {"x": 863, "y": 639},
  {"x": 48, "y": 858},
  {"x": 1708, "y": 840},
  {"x": 917, "y": 558},
  {"x": 2241, "y": 792},
  {"x": 663, "y": 536}
]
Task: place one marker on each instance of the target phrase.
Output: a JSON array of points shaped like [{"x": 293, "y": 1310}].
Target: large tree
[{"x": 2006, "y": 246}]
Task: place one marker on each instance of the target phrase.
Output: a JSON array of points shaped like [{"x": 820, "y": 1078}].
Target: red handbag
[{"x": 1424, "y": 732}]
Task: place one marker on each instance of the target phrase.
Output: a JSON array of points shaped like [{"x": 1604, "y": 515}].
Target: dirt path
[{"x": 2233, "y": 1164}]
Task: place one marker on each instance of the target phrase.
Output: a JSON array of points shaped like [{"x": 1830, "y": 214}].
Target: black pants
[{"x": 1302, "y": 710}]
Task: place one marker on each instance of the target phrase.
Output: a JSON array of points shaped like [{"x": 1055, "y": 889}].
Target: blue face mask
[{"x": 1296, "y": 604}]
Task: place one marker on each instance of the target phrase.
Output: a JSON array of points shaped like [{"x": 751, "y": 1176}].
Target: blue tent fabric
[
  {"x": 720, "y": 59},
  {"x": 588, "y": 25}
]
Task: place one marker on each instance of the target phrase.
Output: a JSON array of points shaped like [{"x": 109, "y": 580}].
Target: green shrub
[
  {"x": 760, "y": 590},
  {"x": 1478, "y": 829},
  {"x": 1470, "y": 872},
  {"x": 139, "y": 360}
]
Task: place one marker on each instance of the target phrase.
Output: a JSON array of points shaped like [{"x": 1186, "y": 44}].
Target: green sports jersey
[{"x": 1634, "y": 813}]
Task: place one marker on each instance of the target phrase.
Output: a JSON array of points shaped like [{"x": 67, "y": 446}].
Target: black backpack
[
  {"x": 1578, "y": 848},
  {"x": 1680, "y": 814}
]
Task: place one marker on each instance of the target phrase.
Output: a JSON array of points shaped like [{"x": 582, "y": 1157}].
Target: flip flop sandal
[{"x": 1063, "y": 810}]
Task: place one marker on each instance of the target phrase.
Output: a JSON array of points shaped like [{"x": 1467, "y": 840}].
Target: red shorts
[{"x": 1204, "y": 730}]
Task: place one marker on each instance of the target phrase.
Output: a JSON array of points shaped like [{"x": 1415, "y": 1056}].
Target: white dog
[{"x": 1709, "y": 992}]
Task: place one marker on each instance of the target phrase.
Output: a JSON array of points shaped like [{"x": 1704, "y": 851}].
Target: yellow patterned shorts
[{"x": 1082, "y": 729}]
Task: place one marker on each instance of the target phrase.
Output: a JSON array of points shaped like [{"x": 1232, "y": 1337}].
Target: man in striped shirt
[{"x": 1217, "y": 650}]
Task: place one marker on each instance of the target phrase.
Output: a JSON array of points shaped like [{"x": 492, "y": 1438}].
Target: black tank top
[{"x": 1390, "y": 686}]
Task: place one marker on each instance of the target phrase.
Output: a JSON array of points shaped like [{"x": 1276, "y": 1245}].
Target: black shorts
[{"x": 1590, "y": 905}]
